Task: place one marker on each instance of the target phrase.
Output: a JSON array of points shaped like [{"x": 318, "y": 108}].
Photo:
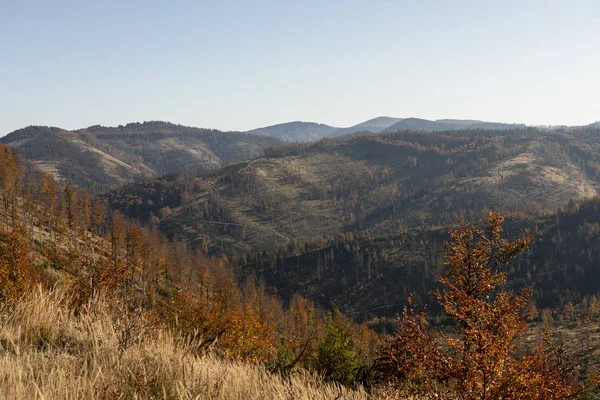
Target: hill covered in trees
[
  {"x": 98, "y": 158},
  {"x": 380, "y": 184},
  {"x": 369, "y": 276}
]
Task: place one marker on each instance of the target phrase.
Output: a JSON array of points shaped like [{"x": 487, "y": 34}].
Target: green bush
[{"x": 336, "y": 358}]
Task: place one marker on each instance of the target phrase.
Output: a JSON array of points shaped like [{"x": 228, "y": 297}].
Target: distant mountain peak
[
  {"x": 296, "y": 131},
  {"x": 300, "y": 131}
]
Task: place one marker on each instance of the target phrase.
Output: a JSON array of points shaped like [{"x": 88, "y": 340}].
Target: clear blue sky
[{"x": 238, "y": 65}]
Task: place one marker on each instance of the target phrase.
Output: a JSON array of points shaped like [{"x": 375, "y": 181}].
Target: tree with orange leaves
[
  {"x": 16, "y": 273},
  {"x": 477, "y": 360},
  {"x": 11, "y": 176}
]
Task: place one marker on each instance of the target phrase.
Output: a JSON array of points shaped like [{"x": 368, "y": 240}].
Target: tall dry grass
[{"x": 49, "y": 352}]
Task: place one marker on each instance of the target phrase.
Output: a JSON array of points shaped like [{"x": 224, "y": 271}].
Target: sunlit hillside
[
  {"x": 49, "y": 351},
  {"x": 379, "y": 184}
]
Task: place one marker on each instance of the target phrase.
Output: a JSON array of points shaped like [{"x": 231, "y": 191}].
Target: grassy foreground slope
[{"x": 49, "y": 352}]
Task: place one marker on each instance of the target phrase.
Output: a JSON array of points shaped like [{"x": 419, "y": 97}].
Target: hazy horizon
[
  {"x": 237, "y": 66},
  {"x": 283, "y": 123}
]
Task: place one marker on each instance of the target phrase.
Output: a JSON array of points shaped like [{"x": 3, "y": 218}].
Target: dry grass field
[{"x": 49, "y": 352}]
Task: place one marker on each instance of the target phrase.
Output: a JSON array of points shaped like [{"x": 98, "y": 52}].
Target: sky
[{"x": 239, "y": 65}]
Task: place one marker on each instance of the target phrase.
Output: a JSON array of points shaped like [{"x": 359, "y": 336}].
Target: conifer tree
[{"x": 477, "y": 360}]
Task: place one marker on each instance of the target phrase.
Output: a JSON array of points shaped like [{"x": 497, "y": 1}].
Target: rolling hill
[
  {"x": 368, "y": 277},
  {"x": 380, "y": 184},
  {"x": 296, "y": 131},
  {"x": 104, "y": 290},
  {"x": 311, "y": 131},
  {"x": 375, "y": 125},
  {"x": 98, "y": 157},
  {"x": 418, "y": 124}
]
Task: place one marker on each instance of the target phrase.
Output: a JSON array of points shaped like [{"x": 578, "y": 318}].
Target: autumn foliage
[
  {"x": 476, "y": 358},
  {"x": 16, "y": 274},
  {"x": 69, "y": 241},
  {"x": 148, "y": 285}
]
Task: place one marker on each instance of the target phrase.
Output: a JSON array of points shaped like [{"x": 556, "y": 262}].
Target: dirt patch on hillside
[{"x": 50, "y": 168}]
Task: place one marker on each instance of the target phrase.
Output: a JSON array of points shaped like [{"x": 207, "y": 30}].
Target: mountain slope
[
  {"x": 310, "y": 131},
  {"x": 376, "y": 183},
  {"x": 372, "y": 276},
  {"x": 296, "y": 131},
  {"x": 101, "y": 157},
  {"x": 374, "y": 125},
  {"x": 69, "y": 269}
]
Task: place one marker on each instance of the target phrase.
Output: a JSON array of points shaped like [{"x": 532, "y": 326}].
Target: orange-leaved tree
[
  {"x": 477, "y": 359},
  {"x": 16, "y": 273}
]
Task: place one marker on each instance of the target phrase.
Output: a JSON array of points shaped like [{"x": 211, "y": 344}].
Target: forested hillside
[
  {"x": 381, "y": 184},
  {"x": 98, "y": 158},
  {"x": 370, "y": 276},
  {"x": 385, "y": 200}
]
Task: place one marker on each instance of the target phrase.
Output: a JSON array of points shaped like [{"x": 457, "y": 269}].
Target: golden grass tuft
[{"x": 47, "y": 351}]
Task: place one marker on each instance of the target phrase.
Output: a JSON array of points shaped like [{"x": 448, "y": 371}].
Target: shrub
[{"x": 336, "y": 357}]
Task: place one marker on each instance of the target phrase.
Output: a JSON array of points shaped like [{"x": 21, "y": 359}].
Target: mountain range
[
  {"x": 264, "y": 202},
  {"x": 100, "y": 157},
  {"x": 306, "y": 131}
]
